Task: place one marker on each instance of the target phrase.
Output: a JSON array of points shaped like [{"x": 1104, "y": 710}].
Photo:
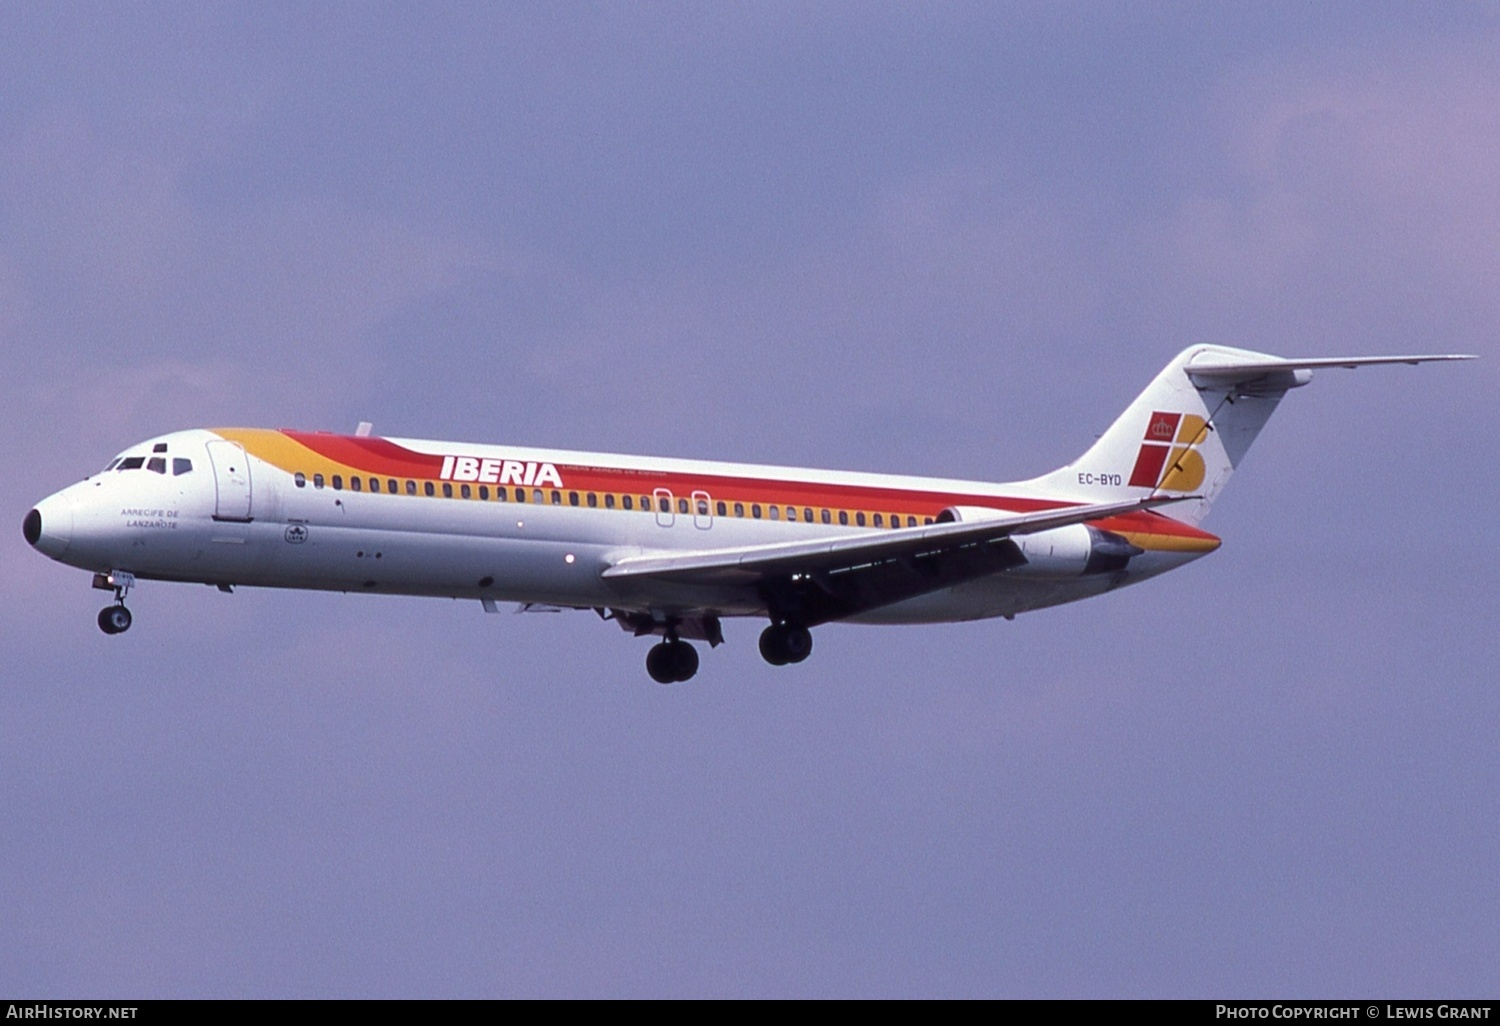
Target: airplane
[{"x": 670, "y": 547}]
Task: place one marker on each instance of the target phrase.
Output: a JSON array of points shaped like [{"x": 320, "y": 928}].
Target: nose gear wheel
[{"x": 114, "y": 619}]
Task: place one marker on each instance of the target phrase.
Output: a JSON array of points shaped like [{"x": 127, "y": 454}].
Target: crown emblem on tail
[{"x": 1169, "y": 459}]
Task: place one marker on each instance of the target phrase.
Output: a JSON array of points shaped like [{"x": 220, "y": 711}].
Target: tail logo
[{"x": 1170, "y": 459}]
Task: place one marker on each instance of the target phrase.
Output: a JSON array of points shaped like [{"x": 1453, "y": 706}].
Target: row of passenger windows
[
  {"x": 155, "y": 464},
  {"x": 660, "y": 503}
]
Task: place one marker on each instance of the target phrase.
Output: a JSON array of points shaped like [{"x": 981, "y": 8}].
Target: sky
[{"x": 951, "y": 239}]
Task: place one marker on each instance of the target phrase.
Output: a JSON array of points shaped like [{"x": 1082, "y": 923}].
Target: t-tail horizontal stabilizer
[{"x": 1188, "y": 431}]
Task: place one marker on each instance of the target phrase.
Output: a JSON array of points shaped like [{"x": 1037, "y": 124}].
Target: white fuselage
[{"x": 237, "y": 518}]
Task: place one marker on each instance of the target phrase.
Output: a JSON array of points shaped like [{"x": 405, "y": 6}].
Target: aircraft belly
[
  {"x": 1006, "y": 595},
  {"x": 983, "y": 599},
  {"x": 420, "y": 563}
]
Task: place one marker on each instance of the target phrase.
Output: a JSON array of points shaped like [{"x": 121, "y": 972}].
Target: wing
[{"x": 831, "y": 578}]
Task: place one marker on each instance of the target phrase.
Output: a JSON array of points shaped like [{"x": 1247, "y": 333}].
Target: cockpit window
[
  {"x": 113, "y": 463},
  {"x": 157, "y": 465},
  {"x": 133, "y": 463},
  {"x": 181, "y": 466},
  {"x": 159, "y": 447}
]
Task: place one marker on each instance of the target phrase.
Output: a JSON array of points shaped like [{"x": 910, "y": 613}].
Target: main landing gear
[
  {"x": 783, "y": 643},
  {"x": 672, "y": 661},
  {"x": 115, "y": 619}
]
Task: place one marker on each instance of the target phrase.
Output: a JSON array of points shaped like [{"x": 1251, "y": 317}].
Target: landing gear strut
[
  {"x": 672, "y": 661},
  {"x": 115, "y": 619},
  {"x": 783, "y": 643}
]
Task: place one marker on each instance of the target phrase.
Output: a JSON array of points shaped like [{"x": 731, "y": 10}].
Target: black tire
[
  {"x": 661, "y": 663},
  {"x": 770, "y": 646},
  {"x": 783, "y": 643},
  {"x": 114, "y": 619},
  {"x": 685, "y": 661},
  {"x": 796, "y": 643}
]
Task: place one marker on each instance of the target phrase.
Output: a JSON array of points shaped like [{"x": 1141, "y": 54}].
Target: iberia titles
[{"x": 470, "y": 468}]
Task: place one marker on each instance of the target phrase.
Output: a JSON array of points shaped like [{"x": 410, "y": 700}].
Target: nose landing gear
[{"x": 115, "y": 619}]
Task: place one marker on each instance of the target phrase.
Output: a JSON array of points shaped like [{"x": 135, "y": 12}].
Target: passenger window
[
  {"x": 133, "y": 463},
  {"x": 775, "y": 512},
  {"x": 827, "y": 517},
  {"x": 844, "y": 516},
  {"x": 354, "y": 484},
  {"x": 572, "y": 498},
  {"x": 157, "y": 465},
  {"x": 664, "y": 505},
  {"x": 807, "y": 515},
  {"x": 645, "y": 503},
  {"x": 755, "y": 510},
  {"x": 879, "y": 520},
  {"x": 556, "y": 497},
  {"x": 447, "y": 490},
  {"x": 317, "y": 480},
  {"x": 374, "y": 484},
  {"x": 411, "y": 488},
  {"x": 859, "y": 519},
  {"x": 609, "y": 501},
  {"x": 791, "y": 512},
  {"x": 464, "y": 491},
  {"x": 627, "y": 501},
  {"x": 338, "y": 482},
  {"x": 536, "y": 496},
  {"x": 739, "y": 509},
  {"x": 182, "y": 466},
  {"x": 593, "y": 501},
  {"x": 484, "y": 492},
  {"x": 703, "y": 507},
  {"x": 428, "y": 489},
  {"x": 393, "y": 486},
  {"x": 927, "y": 520},
  {"x": 911, "y": 521},
  {"x": 500, "y": 493},
  {"x": 520, "y": 495},
  {"x": 299, "y": 478},
  {"x": 723, "y": 510},
  {"x": 682, "y": 505}
]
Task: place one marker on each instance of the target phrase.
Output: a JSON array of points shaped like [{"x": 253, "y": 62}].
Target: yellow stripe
[
  {"x": 279, "y": 451},
  {"x": 1171, "y": 542}
]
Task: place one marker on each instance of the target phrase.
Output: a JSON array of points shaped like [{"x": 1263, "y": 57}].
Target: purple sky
[{"x": 953, "y": 240}]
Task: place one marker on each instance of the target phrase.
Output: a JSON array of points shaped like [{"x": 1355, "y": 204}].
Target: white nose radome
[{"x": 49, "y": 527}]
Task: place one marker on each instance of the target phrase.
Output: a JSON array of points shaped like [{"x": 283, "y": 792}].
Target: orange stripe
[{"x": 1203, "y": 542}]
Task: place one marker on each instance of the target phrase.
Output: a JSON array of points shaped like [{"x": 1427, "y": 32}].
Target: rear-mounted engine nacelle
[{"x": 1073, "y": 551}]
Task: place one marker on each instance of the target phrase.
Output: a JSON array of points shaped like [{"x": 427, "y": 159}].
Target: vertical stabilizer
[{"x": 1184, "y": 434}]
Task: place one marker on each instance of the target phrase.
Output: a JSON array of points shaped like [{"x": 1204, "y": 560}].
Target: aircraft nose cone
[{"x": 49, "y": 527}]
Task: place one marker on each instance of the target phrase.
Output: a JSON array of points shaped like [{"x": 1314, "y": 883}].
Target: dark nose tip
[{"x": 32, "y": 527}]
